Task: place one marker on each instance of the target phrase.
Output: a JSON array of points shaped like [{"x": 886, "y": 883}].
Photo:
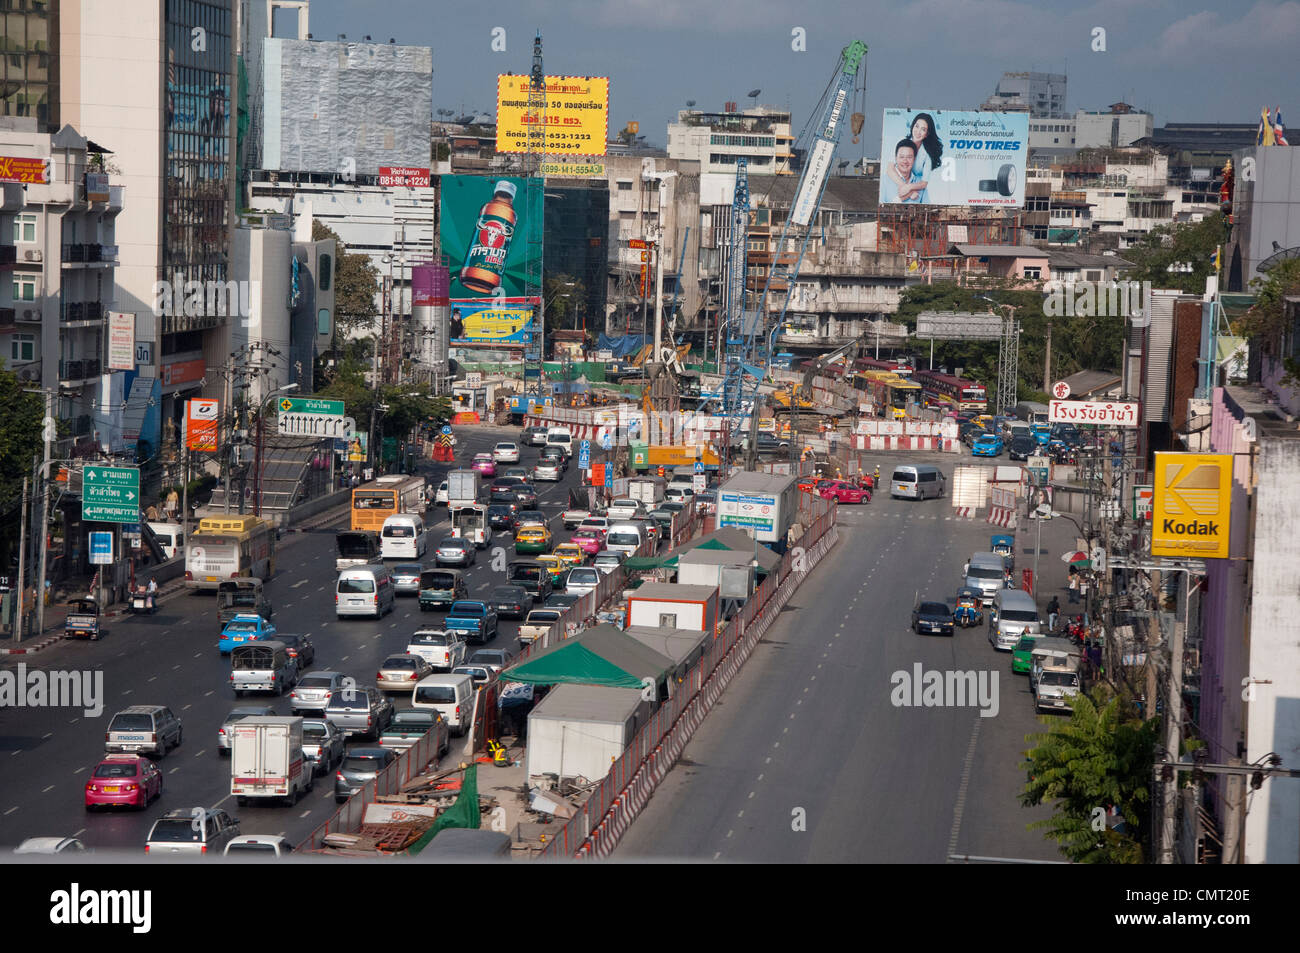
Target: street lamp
[{"x": 261, "y": 416}]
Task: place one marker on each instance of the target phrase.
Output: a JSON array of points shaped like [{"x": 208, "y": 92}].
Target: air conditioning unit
[
  {"x": 28, "y": 375},
  {"x": 31, "y": 314},
  {"x": 32, "y": 254}
]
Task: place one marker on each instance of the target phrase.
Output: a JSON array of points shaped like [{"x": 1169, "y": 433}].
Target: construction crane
[{"x": 748, "y": 341}]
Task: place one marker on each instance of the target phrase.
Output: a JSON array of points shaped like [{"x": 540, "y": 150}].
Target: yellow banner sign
[
  {"x": 573, "y": 168},
  {"x": 574, "y": 123},
  {"x": 1192, "y": 510}
]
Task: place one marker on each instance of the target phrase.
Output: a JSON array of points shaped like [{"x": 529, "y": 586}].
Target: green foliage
[
  {"x": 1078, "y": 343},
  {"x": 563, "y": 295},
  {"x": 1101, "y": 758},
  {"x": 1165, "y": 245},
  {"x": 406, "y": 409},
  {"x": 1265, "y": 323},
  {"x": 20, "y": 439},
  {"x": 356, "y": 282}
]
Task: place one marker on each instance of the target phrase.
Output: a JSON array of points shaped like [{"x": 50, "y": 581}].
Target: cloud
[{"x": 1265, "y": 26}]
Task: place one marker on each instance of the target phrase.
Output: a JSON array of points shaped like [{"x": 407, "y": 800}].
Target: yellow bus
[
  {"x": 229, "y": 547},
  {"x": 374, "y": 502},
  {"x": 889, "y": 391}
]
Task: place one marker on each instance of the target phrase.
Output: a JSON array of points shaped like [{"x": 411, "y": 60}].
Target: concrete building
[
  {"x": 1042, "y": 95},
  {"x": 58, "y": 244},
  {"x": 1116, "y": 126},
  {"x": 1266, "y": 209},
  {"x": 715, "y": 140}
]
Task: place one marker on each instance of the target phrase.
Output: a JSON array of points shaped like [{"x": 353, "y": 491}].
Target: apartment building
[{"x": 761, "y": 134}]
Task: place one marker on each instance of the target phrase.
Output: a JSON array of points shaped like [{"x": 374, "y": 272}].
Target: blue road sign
[
  {"x": 609, "y": 477},
  {"x": 699, "y": 466},
  {"x": 584, "y": 446},
  {"x": 101, "y": 548},
  {"x": 446, "y": 429}
]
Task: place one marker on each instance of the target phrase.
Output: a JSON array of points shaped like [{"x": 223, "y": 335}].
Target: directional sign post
[
  {"x": 584, "y": 454},
  {"x": 310, "y": 417},
  {"x": 110, "y": 494},
  {"x": 101, "y": 549}
]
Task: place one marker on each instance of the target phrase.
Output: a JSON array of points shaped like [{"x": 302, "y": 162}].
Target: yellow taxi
[
  {"x": 570, "y": 553},
  {"x": 555, "y": 566},
  {"x": 533, "y": 538}
]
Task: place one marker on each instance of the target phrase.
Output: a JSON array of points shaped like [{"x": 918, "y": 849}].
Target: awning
[
  {"x": 602, "y": 655},
  {"x": 649, "y": 562}
]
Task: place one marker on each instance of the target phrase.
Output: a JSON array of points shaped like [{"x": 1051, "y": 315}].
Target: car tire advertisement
[{"x": 940, "y": 157}]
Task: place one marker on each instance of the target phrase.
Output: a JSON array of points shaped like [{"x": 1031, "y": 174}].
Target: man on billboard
[
  {"x": 929, "y": 154},
  {"x": 903, "y": 181}
]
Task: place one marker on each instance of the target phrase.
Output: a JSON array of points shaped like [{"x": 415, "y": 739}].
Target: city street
[
  {"x": 807, "y": 735},
  {"x": 171, "y": 658}
]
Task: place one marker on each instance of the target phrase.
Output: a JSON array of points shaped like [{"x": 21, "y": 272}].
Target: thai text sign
[
  {"x": 1103, "y": 413},
  {"x": 575, "y": 121}
]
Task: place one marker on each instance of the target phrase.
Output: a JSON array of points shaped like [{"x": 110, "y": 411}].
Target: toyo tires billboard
[{"x": 940, "y": 157}]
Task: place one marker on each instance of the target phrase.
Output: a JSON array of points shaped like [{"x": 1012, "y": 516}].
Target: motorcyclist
[{"x": 150, "y": 591}]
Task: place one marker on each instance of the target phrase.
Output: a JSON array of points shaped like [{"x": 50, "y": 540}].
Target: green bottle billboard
[{"x": 491, "y": 234}]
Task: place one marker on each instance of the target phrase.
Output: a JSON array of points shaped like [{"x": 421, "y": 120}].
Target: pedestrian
[
  {"x": 1053, "y": 610},
  {"x": 151, "y": 514},
  {"x": 1074, "y": 589},
  {"x": 1083, "y": 589},
  {"x": 965, "y": 569}
]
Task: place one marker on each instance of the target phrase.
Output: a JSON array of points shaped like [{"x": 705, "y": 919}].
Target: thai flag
[{"x": 1279, "y": 132}]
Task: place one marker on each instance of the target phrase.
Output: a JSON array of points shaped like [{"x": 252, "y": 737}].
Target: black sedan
[
  {"x": 454, "y": 551},
  {"x": 511, "y": 602},
  {"x": 1022, "y": 447},
  {"x": 502, "y": 489},
  {"x": 299, "y": 647},
  {"x": 932, "y": 617},
  {"x": 501, "y": 517}
]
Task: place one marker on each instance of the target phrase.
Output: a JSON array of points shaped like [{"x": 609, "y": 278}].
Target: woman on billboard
[{"x": 929, "y": 153}]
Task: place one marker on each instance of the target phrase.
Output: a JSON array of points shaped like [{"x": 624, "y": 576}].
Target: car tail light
[
  {"x": 457, "y": 711},
  {"x": 188, "y": 575},
  {"x": 338, "y": 775},
  {"x": 146, "y": 846},
  {"x": 413, "y": 676},
  {"x": 203, "y": 849},
  {"x": 379, "y": 676}
]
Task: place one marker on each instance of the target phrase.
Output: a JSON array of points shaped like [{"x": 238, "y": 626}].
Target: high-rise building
[
  {"x": 715, "y": 140},
  {"x": 1041, "y": 94},
  {"x": 29, "y": 68}
]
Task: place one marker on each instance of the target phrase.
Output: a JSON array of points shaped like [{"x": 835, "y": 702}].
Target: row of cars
[{"x": 990, "y": 436}]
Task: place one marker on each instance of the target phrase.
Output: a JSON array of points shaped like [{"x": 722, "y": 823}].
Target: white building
[
  {"x": 1041, "y": 94},
  {"x": 1116, "y": 126},
  {"x": 715, "y": 140},
  {"x": 57, "y": 241}
]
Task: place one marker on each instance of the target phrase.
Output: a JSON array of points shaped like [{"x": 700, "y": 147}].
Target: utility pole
[
  {"x": 48, "y": 434},
  {"x": 22, "y": 566},
  {"x": 1173, "y": 731},
  {"x": 1047, "y": 363}
]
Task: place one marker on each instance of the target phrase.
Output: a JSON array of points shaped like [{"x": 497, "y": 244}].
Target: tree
[
  {"x": 1102, "y": 758},
  {"x": 20, "y": 440},
  {"x": 1192, "y": 243},
  {"x": 1265, "y": 324},
  {"x": 356, "y": 282}
]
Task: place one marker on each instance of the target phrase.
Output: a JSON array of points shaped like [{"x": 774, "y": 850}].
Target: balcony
[
  {"x": 78, "y": 371},
  {"x": 7, "y": 319},
  {"x": 83, "y": 311},
  {"x": 89, "y": 254}
]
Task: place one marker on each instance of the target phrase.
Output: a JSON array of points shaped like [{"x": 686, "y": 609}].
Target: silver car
[
  {"x": 399, "y": 673},
  {"x": 361, "y": 711},
  {"x": 361, "y": 766},
  {"x": 406, "y": 578},
  {"x": 184, "y": 832},
  {"x": 313, "y": 693},
  {"x": 495, "y": 659},
  {"x": 227, "y": 732},
  {"x": 549, "y": 470},
  {"x": 454, "y": 551},
  {"x": 322, "y": 745},
  {"x": 607, "y": 560},
  {"x": 582, "y": 580}
]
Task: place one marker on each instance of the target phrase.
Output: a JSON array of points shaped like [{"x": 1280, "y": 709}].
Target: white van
[
  {"x": 919, "y": 482},
  {"x": 171, "y": 537},
  {"x": 625, "y": 537},
  {"x": 402, "y": 537},
  {"x": 363, "y": 591},
  {"x": 1013, "y": 614},
  {"x": 560, "y": 437},
  {"x": 451, "y": 695}
]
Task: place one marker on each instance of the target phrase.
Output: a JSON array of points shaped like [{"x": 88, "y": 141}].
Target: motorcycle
[{"x": 142, "y": 601}]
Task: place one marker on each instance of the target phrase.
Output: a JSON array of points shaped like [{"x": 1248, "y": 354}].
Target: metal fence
[
  {"x": 599, "y": 824},
  {"x": 410, "y": 764}
]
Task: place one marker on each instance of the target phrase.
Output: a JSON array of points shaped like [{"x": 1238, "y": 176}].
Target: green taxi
[{"x": 1021, "y": 655}]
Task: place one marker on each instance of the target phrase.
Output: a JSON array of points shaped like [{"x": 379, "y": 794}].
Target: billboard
[
  {"x": 955, "y": 158},
  {"x": 491, "y": 234},
  {"x": 201, "y": 421},
  {"x": 577, "y": 115},
  {"x": 121, "y": 341},
  {"x": 1191, "y": 513},
  {"x": 491, "y": 321},
  {"x": 24, "y": 169}
]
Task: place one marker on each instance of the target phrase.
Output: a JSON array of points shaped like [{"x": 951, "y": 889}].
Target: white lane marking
[
  {"x": 740, "y": 814},
  {"x": 302, "y": 582},
  {"x": 201, "y": 753},
  {"x": 74, "y": 721},
  {"x": 751, "y": 796},
  {"x": 717, "y": 855},
  {"x": 186, "y": 708},
  {"x": 729, "y": 833},
  {"x": 174, "y": 770},
  {"x": 128, "y": 691},
  {"x": 206, "y": 694},
  {"x": 960, "y": 807},
  {"x": 151, "y": 678},
  {"x": 79, "y": 833},
  {"x": 48, "y": 790},
  {"x": 80, "y": 769},
  {"x": 11, "y": 810},
  {"x": 760, "y": 777},
  {"x": 47, "y": 735},
  {"x": 14, "y": 753}
]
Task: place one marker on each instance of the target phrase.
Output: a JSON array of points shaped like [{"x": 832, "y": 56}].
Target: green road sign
[
  {"x": 310, "y": 405},
  {"x": 110, "y": 494}
]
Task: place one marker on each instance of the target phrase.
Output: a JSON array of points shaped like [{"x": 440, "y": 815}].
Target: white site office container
[
  {"x": 579, "y": 730},
  {"x": 674, "y": 606}
]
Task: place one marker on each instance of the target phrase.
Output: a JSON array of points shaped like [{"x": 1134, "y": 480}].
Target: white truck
[
  {"x": 462, "y": 487},
  {"x": 267, "y": 761},
  {"x": 649, "y": 490}
]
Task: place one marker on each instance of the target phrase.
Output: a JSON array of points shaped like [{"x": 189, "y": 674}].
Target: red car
[
  {"x": 843, "y": 492},
  {"x": 590, "y": 539},
  {"x": 123, "y": 779}
]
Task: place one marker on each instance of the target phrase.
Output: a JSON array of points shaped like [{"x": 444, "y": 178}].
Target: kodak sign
[{"x": 1192, "y": 506}]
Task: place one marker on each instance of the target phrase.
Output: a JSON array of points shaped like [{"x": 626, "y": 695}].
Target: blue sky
[{"x": 1184, "y": 60}]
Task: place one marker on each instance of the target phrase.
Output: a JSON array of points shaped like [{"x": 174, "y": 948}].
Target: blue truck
[{"x": 476, "y": 620}]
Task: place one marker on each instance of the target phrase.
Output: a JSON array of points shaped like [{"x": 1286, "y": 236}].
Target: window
[
  {"x": 624, "y": 185},
  {"x": 25, "y": 228},
  {"x": 667, "y": 620},
  {"x": 24, "y": 287},
  {"x": 22, "y": 348},
  {"x": 1033, "y": 272}
]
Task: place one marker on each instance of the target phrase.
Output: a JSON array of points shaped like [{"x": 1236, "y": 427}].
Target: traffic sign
[
  {"x": 446, "y": 429},
  {"x": 110, "y": 494},
  {"x": 1060, "y": 390},
  {"x": 311, "y": 405},
  {"x": 311, "y": 417},
  {"x": 584, "y": 454},
  {"x": 699, "y": 482},
  {"x": 101, "y": 549},
  {"x": 699, "y": 466},
  {"x": 609, "y": 477}
]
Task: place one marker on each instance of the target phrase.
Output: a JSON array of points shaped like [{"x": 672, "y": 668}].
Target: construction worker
[{"x": 877, "y": 475}]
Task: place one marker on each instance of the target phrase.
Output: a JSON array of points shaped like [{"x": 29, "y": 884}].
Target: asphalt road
[
  {"x": 806, "y": 758},
  {"x": 171, "y": 658}
]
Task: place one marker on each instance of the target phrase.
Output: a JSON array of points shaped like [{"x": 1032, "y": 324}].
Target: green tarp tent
[
  {"x": 736, "y": 541},
  {"x": 648, "y": 562},
  {"x": 602, "y": 655},
  {"x": 464, "y": 813}
]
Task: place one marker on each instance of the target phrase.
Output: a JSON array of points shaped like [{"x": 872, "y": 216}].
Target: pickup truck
[
  {"x": 574, "y": 515},
  {"x": 537, "y": 624},
  {"x": 475, "y": 620},
  {"x": 408, "y": 727},
  {"x": 323, "y": 745}
]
